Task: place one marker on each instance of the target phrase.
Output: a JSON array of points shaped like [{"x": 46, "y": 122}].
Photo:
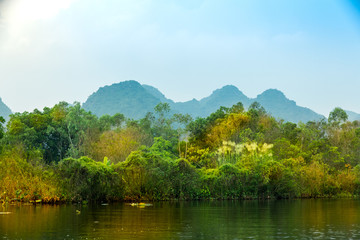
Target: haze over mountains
[
  {"x": 135, "y": 100},
  {"x": 4, "y": 110}
]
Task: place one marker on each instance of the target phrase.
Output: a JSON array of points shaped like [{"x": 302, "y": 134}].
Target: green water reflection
[{"x": 300, "y": 219}]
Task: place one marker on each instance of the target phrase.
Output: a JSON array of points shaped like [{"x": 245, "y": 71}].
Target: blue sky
[{"x": 53, "y": 50}]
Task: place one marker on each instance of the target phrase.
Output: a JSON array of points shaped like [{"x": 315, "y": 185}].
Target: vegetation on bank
[{"x": 65, "y": 153}]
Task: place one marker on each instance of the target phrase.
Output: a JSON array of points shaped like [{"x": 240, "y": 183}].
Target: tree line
[{"x": 65, "y": 153}]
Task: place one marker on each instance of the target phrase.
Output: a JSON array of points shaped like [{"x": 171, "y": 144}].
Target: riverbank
[
  {"x": 65, "y": 154},
  {"x": 78, "y": 180}
]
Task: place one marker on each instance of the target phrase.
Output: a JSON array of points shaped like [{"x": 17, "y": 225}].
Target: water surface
[{"x": 274, "y": 219}]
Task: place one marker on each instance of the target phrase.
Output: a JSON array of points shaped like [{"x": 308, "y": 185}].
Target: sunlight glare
[{"x": 22, "y": 11}]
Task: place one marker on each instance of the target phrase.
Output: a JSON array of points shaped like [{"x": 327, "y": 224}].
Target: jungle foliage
[{"x": 66, "y": 153}]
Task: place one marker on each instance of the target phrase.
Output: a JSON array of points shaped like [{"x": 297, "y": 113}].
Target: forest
[{"x": 67, "y": 154}]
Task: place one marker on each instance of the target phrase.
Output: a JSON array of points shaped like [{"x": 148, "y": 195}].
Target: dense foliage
[{"x": 65, "y": 153}]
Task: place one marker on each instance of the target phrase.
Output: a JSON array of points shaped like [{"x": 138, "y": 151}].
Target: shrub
[{"x": 86, "y": 179}]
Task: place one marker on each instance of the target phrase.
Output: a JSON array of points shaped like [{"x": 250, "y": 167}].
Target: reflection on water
[{"x": 304, "y": 219}]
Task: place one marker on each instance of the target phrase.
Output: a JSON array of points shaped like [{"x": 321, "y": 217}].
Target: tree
[
  {"x": 337, "y": 116},
  {"x": 2, "y": 121},
  {"x": 182, "y": 121},
  {"x": 162, "y": 121},
  {"x": 200, "y": 128},
  {"x": 290, "y": 131},
  {"x": 256, "y": 109},
  {"x": 116, "y": 145},
  {"x": 237, "y": 108},
  {"x": 82, "y": 130},
  {"x": 108, "y": 122},
  {"x": 55, "y": 132}
]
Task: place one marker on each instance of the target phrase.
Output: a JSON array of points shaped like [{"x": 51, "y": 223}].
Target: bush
[
  {"x": 22, "y": 181},
  {"x": 185, "y": 180},
  {"x": 229, "y": 183},
  {"x": 86, "y": 179}
]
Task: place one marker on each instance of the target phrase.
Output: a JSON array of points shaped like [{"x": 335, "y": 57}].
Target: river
[{"x": 271, "y": 219}]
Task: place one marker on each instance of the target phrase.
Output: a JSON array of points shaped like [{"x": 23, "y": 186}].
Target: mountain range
[
  {"x": 352, "y": 116},
  {"x": 4, "y": 110},
  {"x": 135, "y": 100}
]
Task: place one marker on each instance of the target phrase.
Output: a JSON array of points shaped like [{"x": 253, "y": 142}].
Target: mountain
[
  {"x": 226, "y": 96},
  {"x": 156, "y": 93},
  {"x": 275, "y": 102},
  {"x": 129, "y": 98},
  {"x": 134, "y": 100},
  {"x": 352, "y": 116},
  {"x": 4, "y": 110}
]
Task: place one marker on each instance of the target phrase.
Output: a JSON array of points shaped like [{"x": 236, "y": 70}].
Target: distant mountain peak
[
  {"x": 134, "y": 100},
  {"x": 129, "y": 98},
  {"x": 272, "y": 92},
  {"x": 121, "y": 85},
  {"x": 228, "y": 89},
  {"x": 226, "y": 92},
  {"x": 156, "y": 93},
  {"x": 128, "y": 83},
  {"x": 275, "y": 97}
]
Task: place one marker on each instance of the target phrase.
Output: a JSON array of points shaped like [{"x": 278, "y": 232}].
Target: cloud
[
  {"x": 18, "y": 16},
  {"x": 3, "y": 4},
  {"x": 24, "y": 10}
]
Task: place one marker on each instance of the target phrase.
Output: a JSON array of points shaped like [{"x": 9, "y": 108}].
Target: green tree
[
  {"x": 181, "y": 121},
  {"x": 82, "y": 130},
  {"x": 86, "y": 179},
  {"x": 2, "y": 121},
  {"x": 237, "y": 108},
  {"x": 2, "y": 132},
  {"x": 108, "y": 122},
  {"x": 337, "y": 116},
  {"x": 256, "y": 110},
  {"x": 290, "y": 131},
  {"x": 162, "y": 126}
]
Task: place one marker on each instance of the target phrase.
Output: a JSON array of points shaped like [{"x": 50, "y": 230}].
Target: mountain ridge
[
  {"x": 5, "y": 111},
  {"x": 134, "y": 100},
  {"x": 121, "y": 97},
  {"x": 352, "y": 116}
]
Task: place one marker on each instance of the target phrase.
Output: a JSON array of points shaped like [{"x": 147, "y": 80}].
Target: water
[{"x": 285, "y": 219}]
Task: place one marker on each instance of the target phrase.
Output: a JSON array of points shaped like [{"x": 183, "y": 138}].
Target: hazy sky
[{"x": 54, "y": 50}]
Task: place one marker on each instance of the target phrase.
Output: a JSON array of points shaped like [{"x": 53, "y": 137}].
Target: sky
[{"x": 64, "y": 50}]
